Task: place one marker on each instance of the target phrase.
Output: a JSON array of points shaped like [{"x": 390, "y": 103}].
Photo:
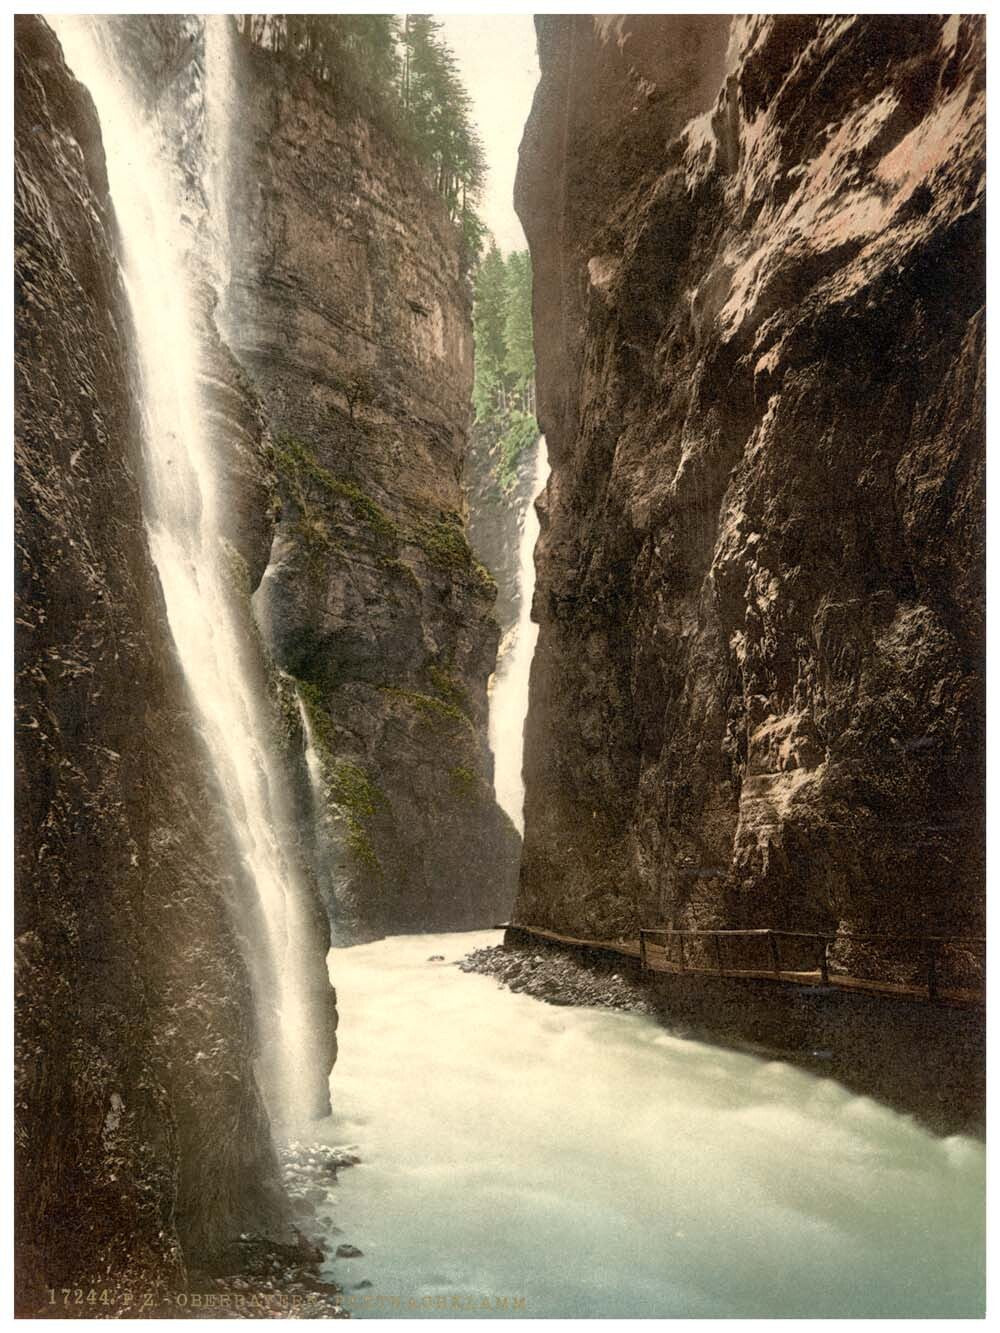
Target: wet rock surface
[
  {"x": 346, "y": 267},
  {"x": 559, "y": 978},
  {"x": 141, "y": 1137},
  {"x": 257, "y": 1278},
  {"x": 757, "y": 697}
]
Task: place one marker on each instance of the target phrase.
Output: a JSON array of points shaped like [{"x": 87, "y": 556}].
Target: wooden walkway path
[{"x": 801, "y": 958}]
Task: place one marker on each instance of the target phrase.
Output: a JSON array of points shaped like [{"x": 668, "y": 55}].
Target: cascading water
[
  {"x": 314, "y": 766},
  {"x": 509, "y": 687},
  {"x": 169, "y": 236}
]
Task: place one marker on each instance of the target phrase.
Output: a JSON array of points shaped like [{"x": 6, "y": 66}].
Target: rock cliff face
[
  {"x": 757, "y": 696},
  {"x": 141, "y": 1137},
  {"x": 347, "y": 272},
  {"x": 496, "y": 517}
]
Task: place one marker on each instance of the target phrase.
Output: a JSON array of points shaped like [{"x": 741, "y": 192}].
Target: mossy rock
[
  {"x": 447, "y": 688},
  {"x": 466, "y": 785},
  {"x": 310, "y": 484},
  {"x": 353, "y": 790},
  {"x": 356, "y": 797},
  {"x": 447, "y": 547},
  {"x": 437, "y": 713},
  {"x": 237, "y": 569}
]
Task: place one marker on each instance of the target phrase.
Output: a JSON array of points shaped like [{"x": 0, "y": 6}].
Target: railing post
[
  {"x": 683, "y": 964},
  {"x": 718, "y": 952},
  {"x": 642, "y": 949},
  {"x": 824, "y": 962},
  {"x": 773, "y": 946},
  {"x": 932, "y": 988}
]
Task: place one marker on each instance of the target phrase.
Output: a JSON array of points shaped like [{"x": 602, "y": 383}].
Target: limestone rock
[
  {"x": 757, "y": 697},
  {"x": 346, "y": 267}
]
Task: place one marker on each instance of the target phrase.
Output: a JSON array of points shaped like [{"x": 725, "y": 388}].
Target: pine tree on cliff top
[{"x": 406, "y": 77}]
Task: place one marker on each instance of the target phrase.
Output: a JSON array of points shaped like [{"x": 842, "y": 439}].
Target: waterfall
[
  {"x": 509, "y": 685},
  {"x": 314, "y": 766},
  {"x": 170, "y": 239},
  {"x": 220, "y": 98}
]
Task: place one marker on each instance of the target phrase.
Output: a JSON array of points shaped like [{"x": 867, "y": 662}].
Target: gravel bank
[{"x": 552, "y": 975}]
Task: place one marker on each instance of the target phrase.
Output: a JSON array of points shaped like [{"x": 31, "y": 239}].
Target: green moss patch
[
  {"x": 445, "y": 543},
  {"x": 311, "y": 485},
  {"x": 447, "y": 547},
  {"x": 349, "y": 787},
  {"x": 447, "y": 688},
  {"x": 436, "y": 712},
  {"x": 466, "y": 785}
]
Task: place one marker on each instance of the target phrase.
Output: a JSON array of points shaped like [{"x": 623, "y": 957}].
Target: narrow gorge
[{"x": 499, "y": 765}]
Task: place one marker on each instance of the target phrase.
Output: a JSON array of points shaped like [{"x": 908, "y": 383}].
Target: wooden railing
[
  {"x": 923, "y": 967},
  {"x": 920, "y": 963}
]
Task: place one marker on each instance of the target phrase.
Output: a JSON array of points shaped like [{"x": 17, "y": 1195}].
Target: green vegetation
[
  {"x": 351, "y": 787},
  {"x": 504, "y": 391},
  {"x": 445, "y": 543},
  {"x": 520, "y": 434},
  {"x": 448, "y": 688},
  {"x": 401, "y": 74},
  {"x": 437, "y": 712},
  {"x": 437, "y": 110},
  {"x": 309, "y": 483},
  {"x": 348, "y": 786},
  {"x": 465, "y": 785},
  {"x": 357, "y": 386},
  {"x": 447, "y": 547}
]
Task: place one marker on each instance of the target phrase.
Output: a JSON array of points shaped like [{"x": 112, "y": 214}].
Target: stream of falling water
[
  {"x": 583, "y": 1162},
  {"x": 161, "y": 228},
  {"x": 509, "y": 687}
]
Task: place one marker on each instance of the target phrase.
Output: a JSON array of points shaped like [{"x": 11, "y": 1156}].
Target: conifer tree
[
  {"x": 504, "y": 390},
  {"x": 520, "y": 355},
  {"x": 489, "y": 317}
]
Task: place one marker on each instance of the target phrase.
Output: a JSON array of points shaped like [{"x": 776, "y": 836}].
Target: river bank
[{"x": 919, "y": 1058}]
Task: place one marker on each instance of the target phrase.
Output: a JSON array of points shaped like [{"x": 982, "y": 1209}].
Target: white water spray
[
  {"x": 509, "y": 686},
  {"x": 220, "y": 99},
  {"x": 165, "y": 239},
  {"x": 595, "y": 1165}
]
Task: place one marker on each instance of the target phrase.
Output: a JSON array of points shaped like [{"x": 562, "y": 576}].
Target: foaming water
[
  {"x": 593, "y": 1165},
  {"x": 165, "y": 239},
  {"x": 509, "y": 686}
]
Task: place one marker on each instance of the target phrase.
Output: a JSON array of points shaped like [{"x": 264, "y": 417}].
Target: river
[{"x": 589, "y": 1164}]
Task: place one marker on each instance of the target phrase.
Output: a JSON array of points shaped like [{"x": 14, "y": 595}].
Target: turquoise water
[{"x": 584, "y": 1163}]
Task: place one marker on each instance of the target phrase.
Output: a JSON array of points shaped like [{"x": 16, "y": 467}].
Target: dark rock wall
[
  {"x": 373, "y": 607},
  {"x": 141, "y": 1138},
  {"x": 757, "y": 696}
]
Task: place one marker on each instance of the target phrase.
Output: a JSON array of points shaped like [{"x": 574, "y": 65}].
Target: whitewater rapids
[{"x": 590, "y": 1164}]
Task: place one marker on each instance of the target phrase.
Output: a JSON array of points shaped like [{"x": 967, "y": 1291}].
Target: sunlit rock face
[
  {"x": 373, "y": 606},
  {"x": 758, "y": 255},
  {"x": 142, "y": 1140}
]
